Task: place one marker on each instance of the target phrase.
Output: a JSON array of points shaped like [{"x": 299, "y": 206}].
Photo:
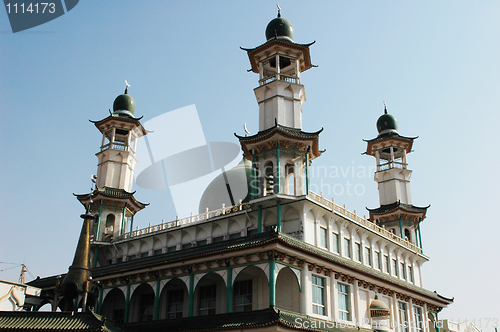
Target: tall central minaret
[{"x": 280, "y": 152}]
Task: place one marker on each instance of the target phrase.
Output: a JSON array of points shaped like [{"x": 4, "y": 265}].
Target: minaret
[
  {"x": 112, "y": 199},
  {"x": 396, "y": 212},
  {"x": 280, "y": 152}
]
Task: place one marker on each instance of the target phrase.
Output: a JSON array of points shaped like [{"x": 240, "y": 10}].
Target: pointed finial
[
  {"x": 279, "y": 9},
  {"x": 126, "y": 87},
  {"x": 385, "y": 108}
]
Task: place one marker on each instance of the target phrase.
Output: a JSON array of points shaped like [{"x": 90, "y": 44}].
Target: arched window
[
  {"x": 289, "y": 179},
  {"x": 407, "y": 234}
]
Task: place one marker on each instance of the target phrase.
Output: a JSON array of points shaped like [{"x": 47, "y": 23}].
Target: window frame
[
  {"x": 319, "y": 304},
  {"x": 344, "y": 307}
]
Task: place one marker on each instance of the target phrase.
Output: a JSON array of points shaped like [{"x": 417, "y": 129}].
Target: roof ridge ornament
[{"x": 126, "y": 87}]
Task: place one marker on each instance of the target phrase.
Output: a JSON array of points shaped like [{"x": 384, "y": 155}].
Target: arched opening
[
  {"x": 269, "y": 178},
  {"x": 407, "y": 235},
  {"x": 289, "y": 179},
  {"x": 250, "y": 290},
  {"x": 110, "y": 224},
  {"x": 287, "y": 290},
  {"x": 210, "y": 295},
  {"x": 45, "y": 306},
  {"x": 174, "y": 300},
  {"x": 113, "y": 306},
  {"x": 142, "y": 304}
]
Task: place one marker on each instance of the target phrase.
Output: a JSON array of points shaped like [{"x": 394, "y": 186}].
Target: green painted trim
[
  {"x": 419, "y": 236},
  {"x": 191, "y": 295},
  {"x": 252, "y": 180},
  {"x": 307, "y": 173},
  {"x": 127, "y": 305},
  {"x": 259, "y": 219},
  {"x": 436, "y": 324},
  {"x": 401, "y": 228},
  {"x": 272, "y": 283},
  {"x": 156, "y": 314},
  {"x": 75, "y": 305},
  {"x": 278, "y": 215},
  {"x": 96, "y": 235},
  {"x": 229, "y": 290},
  {"x": 277, "y": 170},
  {"x": 132, "y": 224},
  {"x": 96, "y": 254},
  {"x": 99, "y": 310}
]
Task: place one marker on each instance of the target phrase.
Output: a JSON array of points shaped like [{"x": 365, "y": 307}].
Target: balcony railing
[
  {"x": 362, "y": 221},
  {"x": 193, "y": 219},
  {"x": 281, "y": 77}
]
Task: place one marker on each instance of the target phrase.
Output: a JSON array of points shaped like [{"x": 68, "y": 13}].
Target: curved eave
[
  {"x": 276, "y": 130},
  {"x": 135, "y": 121},
  {"x": 415, "y": 210},
  {"x": 131, "y": 200},
  {"x": 392, "y": 136},
  {"x": 304, "y": 48}
]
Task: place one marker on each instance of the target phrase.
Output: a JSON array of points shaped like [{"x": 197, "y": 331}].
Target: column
[
  {"x": 278, "y": 215},
  {"x": 229, "y": 290},
  {"x": 127, "y": 305},
  {"x": 272, "y": 283},
  {"x": 156, "y": 315},
  {"x": 99, "y": 309},
  {"x": 259, "y": 219},
  {"x": 278, "y": 175},
  {"x": 191, "y": 295},
  {"x": 305, "y": 294}
]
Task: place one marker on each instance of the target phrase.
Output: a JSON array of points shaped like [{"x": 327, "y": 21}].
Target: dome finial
[
  {"x": 279, "y": 9},
  {"x": 385, "y": 108},
  {"x": 126, "y": 87}
]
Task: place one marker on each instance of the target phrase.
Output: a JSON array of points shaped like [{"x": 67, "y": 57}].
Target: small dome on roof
[
  {"x": 280, "y": 28},
  {"x": 124, "y": 103},
  {"x": 379, "y": 308},
  {"x": 387, "y": 123},
  {"x": 217, "y": 192}
]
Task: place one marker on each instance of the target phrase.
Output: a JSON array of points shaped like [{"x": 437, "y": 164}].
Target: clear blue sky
[{"x": 435, "y": 63}]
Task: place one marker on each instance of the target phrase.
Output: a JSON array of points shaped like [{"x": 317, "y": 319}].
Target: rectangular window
[
  {"x": 387, "y": 264},
  {"x": 243, "y": 296},
  {"x": 410, "y": 273},
  {"x": 146, "y": 307},
  {"x": 144, "y": 254},
  {"x": 377, "y": 260},
  {"x": 395, "y": 267},
  {"x": 417, "y": 311},
  {"x": 403, "y": 316},
  {"x": 323, "y": 237},
  {"x": 171, "y": 249},
  {"x": 318, "y": 295},
  {"x": 344, "y": 312},
  {"x": 157, "y": 252},
  {"x": 201, "y": 243},
  {"x": 175, "y": 303},
  {"x": 368, "y": 256},
  {"x": 207, "y": 300},
  {"x": 403, "y": 270},
  {"x": 218, "y": 239},
  {"x": 357, "y": 248},
  {"x": 347, "y": 247},
  {"x": 335, "y": 240}
]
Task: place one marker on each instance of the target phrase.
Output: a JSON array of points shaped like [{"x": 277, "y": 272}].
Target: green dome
[
  {"x": 217, "y": 194},
  {"x": 387, "y": 123},
  {"x": 378, "y": 304},
  {"x": 124, "y": 102},
  {"x": 280, "y": 28}
]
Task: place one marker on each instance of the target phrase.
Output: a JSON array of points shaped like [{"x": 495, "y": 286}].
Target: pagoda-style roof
[
  {"x": 397, "y": 209},
  {"x": 280, "y": 131},
  {"x": 114, "y": 194},
  {"x": 303, "y": 50},
  {"x": 117, "y": 117},
  {"x": 388, "y": 139},
  {"x": 55, "y": 321}
]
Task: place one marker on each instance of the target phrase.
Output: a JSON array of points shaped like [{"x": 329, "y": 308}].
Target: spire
[
  {"x": 79, "y": 273},
  {"x": 279, "y": 9},
  {"x": 126, "y": 87}
]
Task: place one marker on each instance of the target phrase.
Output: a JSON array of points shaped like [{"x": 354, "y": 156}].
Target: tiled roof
[
  {"x": 54, "y": 321},
  {"x": 395, "y": 205},
  {"x": 388, "y": 135},
  {"x": 242, "y": 320},
  {"x": 293, "y": 132},
  {"x": 113, "y": 193}
]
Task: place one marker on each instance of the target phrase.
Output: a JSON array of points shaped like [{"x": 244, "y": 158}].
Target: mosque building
[{"x": 274, "y": 257}]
